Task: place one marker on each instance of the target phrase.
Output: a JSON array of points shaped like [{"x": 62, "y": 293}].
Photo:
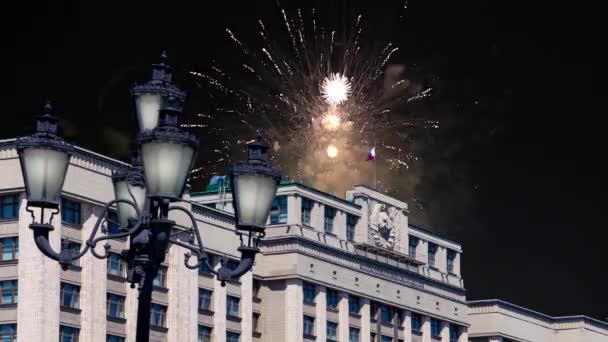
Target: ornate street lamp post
[{"x": 144, "y": 192}]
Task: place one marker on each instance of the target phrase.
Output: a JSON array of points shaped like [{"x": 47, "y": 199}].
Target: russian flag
[{"x": 371, "y": 155}]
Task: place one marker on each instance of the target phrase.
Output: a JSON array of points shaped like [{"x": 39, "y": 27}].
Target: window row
[
  {"x": 431, "y": 253},
  {"x": 117, "y": 266},
  {"x": 205, "y": 303}
]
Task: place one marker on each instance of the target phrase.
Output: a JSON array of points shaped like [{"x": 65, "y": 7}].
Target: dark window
[
  {"x": 204, "y": 334},
  {"x": 306, "y": 210},
  {"x": 451, "y": 257},
  {"x": 256, "y": 322},
  {"x": 232, "y": 306},
  {"x": 74, "y": 248},
  {"x": 351, "y": 223},
  {"x": 354, "y": 305},
  {"x": 112, "y": 223},
  {"x": 435, "y": 327},
  {"x": 332, "y": 331},
  {"x": 161, "y": 277},
  {"x": 257, "y": 284},
  {"x": 309, "y": 325},
  {"x": 204, "y": 299},
  {"x": 386, "y": 338},
  {"x": 386, "y": 314},
  {"x": 116, "y": 306},
  {"x": 416, "y": 322},
  {"x": 8, "y": 332},
  {"x": 330, "y": 213},
  {"x": 353, "y": 334},
  {"x": 453, "y": 332},
  {"x": 68, "y": 334},
  {"x": 309, "y": 292},
  {"x": 432, "y": 250},
  {"x": 373, "y": 310},
  {"x": 202, "y": 268},
  {"x": 116, "y": 265},
  {"x": 70, "y": 296},
  {"x": 9, "y": 207},
  {"x": 278, "y": 212},
  {"x": 159, "y": 315},
  {"x": 10, "y": 248},
  {"x": 413, "y": 243},
  {"x": 112, "y": 338},
  {"x": 232, "y": 336},
  {"x": 332, "y": 299},
  {"x": 10, "y": 291},
  {"x": 70, "y": 211}
]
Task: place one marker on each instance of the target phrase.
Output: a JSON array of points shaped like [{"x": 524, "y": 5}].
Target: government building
[{"x": 331, "y": 269}]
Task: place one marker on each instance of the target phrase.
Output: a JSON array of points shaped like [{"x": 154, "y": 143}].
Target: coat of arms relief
[{"x": 385, "y": 224}]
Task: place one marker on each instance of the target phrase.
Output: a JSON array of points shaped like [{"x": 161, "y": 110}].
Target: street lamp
[{"x": 144, "y": 192}]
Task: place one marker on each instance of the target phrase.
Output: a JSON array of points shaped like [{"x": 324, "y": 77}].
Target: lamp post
[{"x": 144, "y": 192}]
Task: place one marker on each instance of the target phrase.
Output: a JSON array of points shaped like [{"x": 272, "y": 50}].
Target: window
[
  {"x": 112, "y": 338},
  {"x": 451, "y": 257},
  {"x": 161, "y": 277},
  {"x": 9, "y": 207},
  {"x": 332, "y": 299},
  {"x": 202, "y": 268},
  {"x": 70, "y": 296},
  {"x": 112, "y": 223},
  {"x": 70, "y": 211},
  {"x": 257, "y": 284},
  {"x": 386, "y": 338},
  {"x": 232, "y": 336},
  {"x": 256, "y": 322},
  {"x": 68, "y": 334},
  {"x": 309, "y": 326},
  {"x": 353, "y": 334},
  {"x": 306, "y": 210},
  {"x": 204, "y": 299},
  {"x": 373, "y": 311},
  {"x": 8, "y": 332},
  {"x": 330, "y": 213},
  {"x": 386, "y": 314},
  {"x": 432, "y": 250},
  {"x": 232, "y": 306},
  {"x": 73, "y": 248},
  {"x": 309, "y": 293},
  {"x": 10, "y": 248},
  {"x": 332, "y": 331},
  {"x": 453, "y": 332},
  {"x": 413, "y": 243},
  {"x": 351, "y": 222},
  {"x": 435, "y": 327},
  {"x": 278, "y": 212},
  {"x": 159, "y": 315},
  {"x": 10, "y": 291},
  {"x": 116, "y": 306},
  {"x": 116, "y": 265},
  {"x": 416, "y": 322},
  {"x": 204, "y": 334},
  {"x": 354, "y": 305},
  {"x": 372, "y": 336}
]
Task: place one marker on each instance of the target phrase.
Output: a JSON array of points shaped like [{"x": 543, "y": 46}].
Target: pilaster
[
  {"x": 294, "y": 209},
  {"x": 182, "y": 314},
  {"x": 294, "y": 311},
  {"x": 321, "y": 313},
  {"x": 247, "y": 307},
  {"x": 445, "y": 331},
  {"x": 365, "y": 320},
  {"x": 406, "y": 325},
  {"x": 343, "y": 315},
  {"x": 426, "y": 329},
  {"x": 219, "y": 308},
  {"x": 463, "y": 334},
  {"x": 316, "y": 216},
  {"x": 340, "y": 224}
]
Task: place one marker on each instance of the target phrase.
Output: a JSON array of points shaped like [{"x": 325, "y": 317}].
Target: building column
[
  {"x": 441, "y": 259},
  {"x": 294, "y": 310},
  {"x": 247, "y": 307},
  {"x": 463, "y": 334},
  {"x": 219, "y": 309},
  {"x": 294, "y": 209},
  {"x": 94, "y": 286},
  {"x": 365, "y": 320},
  {"x": 406, "y": 326},
  {"x": 457, "y": 264},
  {"x": 343, "y": 315},
  {"x": 426, "y": 329},
  {"x": 340, "y": 224},
  {"x": 182, "y": 311},
  {"x": 445, "y": 331},
  {"x": 38, "y": 308},
  {"x": 321, "y": 313},
  {"x": 317, "y": 216}
]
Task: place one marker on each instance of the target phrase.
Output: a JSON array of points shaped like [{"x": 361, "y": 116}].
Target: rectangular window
[
  {"x": 332, "y": 299},
  {"x": 256, "y": 322},
  {"x": 257, "y": 284},
  {"x": 116, "y": 265},
  {"x": 451, "y": 256},
  {"x": 309, "y": 326},
  {"x": 112, "y": 223},
  {"x": 232, "y": 306},
  {"x": 158, "y": 315},
  {"x": 453, "y": 332},
  {"x": 70, "y": 211},
  {"x": 435, "y": 327},
  {"x": 353, "y": 334},
  {"x": 116, "y": 306},
  {"x": 204, "y": 334},
  {"x": 9, "y": 207},
  {"x": 432, "y": 250},
  {"x": 10, "y": 291},
  {"x": 386, "y": 314},
  {"x": 384, "y": 338},
  {"x": 351, "y": 223},
  {"x": 354, "y": 305},
  {"x": 416, "y": 322},
  {"x": 8, "y": 332},
  {"x": 68, "y": 334},
  {"x": 10, "y": 248},
  {"x": 278, "y": 212},
  {"x": 232, "y": 336},
  {"x": 330, "y": 213},
  {"x": 309, "y": 293},
  {"x": 70, "y": 296},
  {"x": 112, "y": 338},
  {"x": 306, "y": 211},
  {"x": 73, "y": 247},
  {"x": 204, "y": 299},
  {"x": 203, "y": 268},
  {"x": 413, "y": 243},
  {"x": 332, "y": 331},
  {"x": 161, "y": 277}
]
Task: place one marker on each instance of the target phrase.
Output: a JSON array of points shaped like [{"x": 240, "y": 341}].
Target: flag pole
[{"x": 374, "y": 172}]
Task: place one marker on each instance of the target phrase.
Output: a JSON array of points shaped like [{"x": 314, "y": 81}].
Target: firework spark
[
  {"x": 335, "y": 89},
  {"x": 332, "y": 151},
  {"x": 331, "y": 121}
]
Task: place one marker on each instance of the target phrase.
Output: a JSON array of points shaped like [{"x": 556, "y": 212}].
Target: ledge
[
  {"x": 160, "y": 289},
  {"x": 9, "y": 262},
  {"x": 206, "y": 312},
  {"x": 117, "y": 278},
  {"x": 75, "y": 268},
  {"x": 310, "y": 303},
  {"x": 116, "y": 319},
  {"x": 72, "y": 225},
  {"x": 330, "y": 309},
  {"x": 8, "y": 306},
  {"x": 257, "y": 300},
  {"x": 70, "y": 310},
  {"x": 233, "y": 318},
  {"x": 417, "y": 332},
  {"x": 159, "y": 329},
  {"x": 256, "y": 334},
  {"x": 309, "y": 337},
  {"x": 354, "y": 315},
  {"x": 205, "y": 274}
]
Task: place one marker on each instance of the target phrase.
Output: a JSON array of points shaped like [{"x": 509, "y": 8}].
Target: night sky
[{"x": 514, "y": 172}]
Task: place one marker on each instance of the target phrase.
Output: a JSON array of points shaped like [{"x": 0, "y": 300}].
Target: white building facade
[{"x": 331, "y": 269}]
